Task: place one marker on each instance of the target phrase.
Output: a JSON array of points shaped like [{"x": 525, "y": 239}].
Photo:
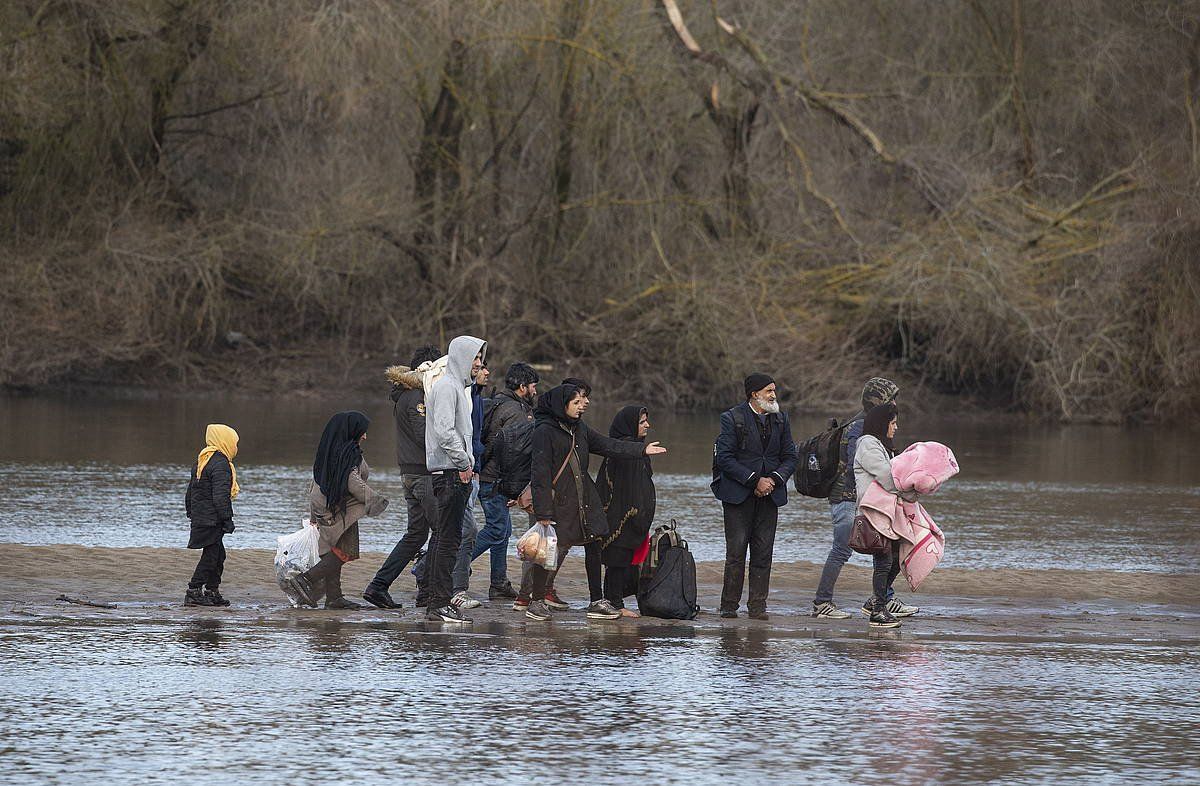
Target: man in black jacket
[
  {"x": 408, "y": 409},
  {"x": 512, "y": 405},
  {"x": 753, "y": 458}
]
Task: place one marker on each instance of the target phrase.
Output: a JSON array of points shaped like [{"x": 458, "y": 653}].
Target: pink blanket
[
  {"x": 923, "y": 467},
  {"x": 921, "y": 541}
]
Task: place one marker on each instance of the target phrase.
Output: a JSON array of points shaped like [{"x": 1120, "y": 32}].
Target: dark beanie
[{"x": 756, "y": 382}]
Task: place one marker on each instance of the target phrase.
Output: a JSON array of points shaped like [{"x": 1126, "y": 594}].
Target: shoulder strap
[
  {"x": 740, "y": 426},
  {"x": 566, "y": 461}
]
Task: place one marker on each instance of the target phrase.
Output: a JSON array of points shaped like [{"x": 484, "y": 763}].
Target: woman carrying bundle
[{"x": 338, "y": 497}]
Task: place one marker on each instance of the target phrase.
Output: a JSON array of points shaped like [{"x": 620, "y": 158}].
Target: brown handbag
[{"x": 865, "y": 539}]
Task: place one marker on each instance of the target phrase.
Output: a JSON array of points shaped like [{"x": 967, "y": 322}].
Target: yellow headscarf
[{"x": 224, "y": 440}]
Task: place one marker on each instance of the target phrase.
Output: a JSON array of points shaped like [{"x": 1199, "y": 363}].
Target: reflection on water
[
  {"x": 112, "y": 473},
  {"x": 661, "y": 704}
]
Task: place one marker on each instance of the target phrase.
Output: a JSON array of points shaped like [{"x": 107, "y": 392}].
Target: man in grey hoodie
[{"x": 449, "y": 456}]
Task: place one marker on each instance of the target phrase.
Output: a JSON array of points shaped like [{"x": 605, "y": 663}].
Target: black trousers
[
  {"x": 210, "y": 567},
  {"x": 446, "y": 535},
  {"x": 750, "y": 525},
  {"x": 592, "y": 565},
  {"x": 616, "y": 579},
  {"x": 887, "y": 568},
  {"x": 422, "y": 510}
]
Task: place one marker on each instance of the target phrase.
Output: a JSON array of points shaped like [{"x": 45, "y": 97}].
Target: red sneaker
[
  {"x": 520, "y": 604},
  {"x": 555, "y": 602}
]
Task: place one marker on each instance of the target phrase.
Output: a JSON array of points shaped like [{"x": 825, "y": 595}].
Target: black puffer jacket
[
  {"x": 573, "y": 503},
  {"x": 207, "y": 502}
]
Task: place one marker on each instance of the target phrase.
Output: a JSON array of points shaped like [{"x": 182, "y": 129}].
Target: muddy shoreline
[{"x": 146, "y": 584}]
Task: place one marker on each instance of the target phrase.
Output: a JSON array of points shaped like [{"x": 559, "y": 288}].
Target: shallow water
[
  {"x": 112, "y": 473},
  {"x": 161, "y": 701}
]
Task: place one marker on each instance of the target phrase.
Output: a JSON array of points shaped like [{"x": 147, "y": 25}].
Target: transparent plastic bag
[
  {"x": 539, "y": 545},
  {"x": 296, "y": 553}
]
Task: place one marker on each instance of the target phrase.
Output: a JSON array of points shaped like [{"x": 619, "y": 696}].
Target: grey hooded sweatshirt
[{"x": 448, "y": 424}]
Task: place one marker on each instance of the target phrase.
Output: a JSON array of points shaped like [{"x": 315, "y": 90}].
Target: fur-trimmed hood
[{"x": 403, "y": 377}]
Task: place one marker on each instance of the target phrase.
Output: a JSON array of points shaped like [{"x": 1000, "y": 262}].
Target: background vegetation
[{"x": 995, "y": 198}]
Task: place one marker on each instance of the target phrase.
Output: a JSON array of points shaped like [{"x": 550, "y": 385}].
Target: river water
[
  {"x": 381, "y": 703},
  {"x": 176, "y": 698}
]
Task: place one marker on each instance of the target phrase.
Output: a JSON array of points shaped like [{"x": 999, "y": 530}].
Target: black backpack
[
  {"x": 667, "y": 581},
  {"x": 817, "y": 468},
  {"x": 513, "y": 449}
]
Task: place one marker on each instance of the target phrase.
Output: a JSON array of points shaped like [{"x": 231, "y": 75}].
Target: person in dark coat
[
  {"x": 627, "y": 491},
  {"x": 338, "y": 497},
  {"x": 754, "y": 457},
  {"x": 564, "y": 494},
  {"x": 212, "y": 487},
  {"x": 408, "y": 410}
]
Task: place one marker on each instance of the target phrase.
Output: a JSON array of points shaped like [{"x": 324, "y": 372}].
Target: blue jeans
[
  {"x": 842, "y": 514},
  {"x": 497, "y": 529},
  {"x": 462, "y": 564}
]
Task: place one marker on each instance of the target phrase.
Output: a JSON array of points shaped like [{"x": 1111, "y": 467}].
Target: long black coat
[
  {"x": 207, "y": 502},
  {"x": 573, "y": 503}
]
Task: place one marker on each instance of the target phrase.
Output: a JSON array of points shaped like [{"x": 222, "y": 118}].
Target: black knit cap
[{"x": 756, "y": 382}]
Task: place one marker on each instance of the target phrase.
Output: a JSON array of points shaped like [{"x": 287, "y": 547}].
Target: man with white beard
[{"x": 753, "y": 458}]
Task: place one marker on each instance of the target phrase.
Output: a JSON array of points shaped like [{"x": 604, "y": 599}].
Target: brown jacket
[{"x": 339, "y": 532}]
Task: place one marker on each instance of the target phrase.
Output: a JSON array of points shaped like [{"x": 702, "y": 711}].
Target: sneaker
[
  {"x": 883, "y": 619},
  {"x": 447, "y": 613},
  {"x": 380, "y": 598},
  {"x": 829, "y": 611},
  {"x": 505, "y": 591},
  {"x": 761, "y": 614},
  {"x": 196, "y": 597},
  {"x": 520, "y": 604},
  {"x": 537, "y": 610},
  {"x": 215, "y": 596},
  {"x": 344, "y": 604},
  {"x": 895, "y": 606},
  {"x": 602, "y": 610},
  {"x": 899, "y": 609},
  {"x": 729, "y": 614},
  {"x": 555, "y": 602},
  {"x": 462, "y": 600}
]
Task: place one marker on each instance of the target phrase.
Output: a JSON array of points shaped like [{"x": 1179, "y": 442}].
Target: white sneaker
[
  {"x": 462, "y": 600},
  {"x": 899, "y": 608},
  {"x": 828, "y": 611}
]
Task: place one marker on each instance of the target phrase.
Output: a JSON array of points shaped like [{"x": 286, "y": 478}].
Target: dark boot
[
  {"x": 196, "y": 597},
  {"x": 333, "y": 589},
  {"x": 214, "y": 595},
  {"x": 505, "y": 591}
]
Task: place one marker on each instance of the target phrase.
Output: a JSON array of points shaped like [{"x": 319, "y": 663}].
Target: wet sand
[{"x": 1024, "y": 605}]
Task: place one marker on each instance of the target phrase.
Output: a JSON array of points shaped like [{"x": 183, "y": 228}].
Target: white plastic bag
[
  {"x": 297, "y": 553},
  {"x": 539, "y": 545}
]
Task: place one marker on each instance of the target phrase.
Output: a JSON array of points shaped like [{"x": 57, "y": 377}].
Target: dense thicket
[{"x": 993, "y": 197}]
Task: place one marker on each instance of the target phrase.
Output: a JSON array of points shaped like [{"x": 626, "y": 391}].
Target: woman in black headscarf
[
  {"x": 338, "y": 497},
  {"x": 564, "y": 493},
  {"x": 627, "y": 491}
]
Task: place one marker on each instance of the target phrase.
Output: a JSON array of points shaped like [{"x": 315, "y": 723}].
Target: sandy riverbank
[{"x": 1026, "y": 604}]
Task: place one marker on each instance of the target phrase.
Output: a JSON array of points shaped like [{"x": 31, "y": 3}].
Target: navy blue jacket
[
  {"x": 740, "y": 469},
  {"x": 477, "y": 446}
]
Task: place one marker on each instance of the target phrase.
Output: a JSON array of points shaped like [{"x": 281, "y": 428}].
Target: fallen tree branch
[{"x": 80, "y": 602}]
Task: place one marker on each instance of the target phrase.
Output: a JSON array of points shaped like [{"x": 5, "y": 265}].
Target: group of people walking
[{"x": 454, "y": 448}]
